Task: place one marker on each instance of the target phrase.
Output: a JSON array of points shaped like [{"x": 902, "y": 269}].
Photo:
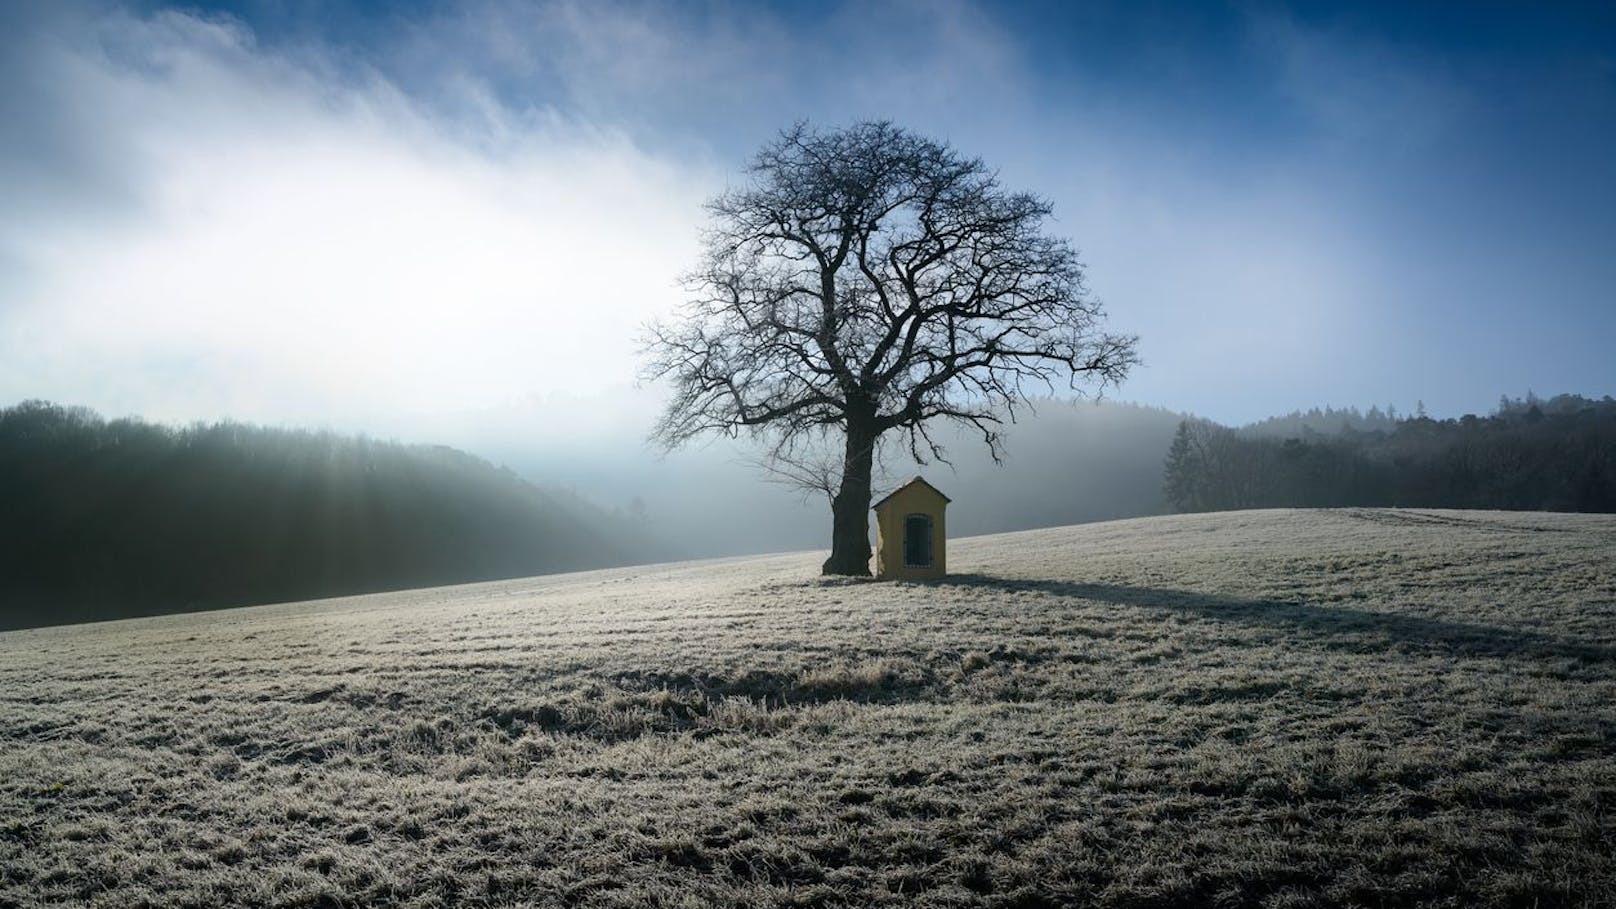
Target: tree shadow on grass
[{"x": 1336, "y": 626}]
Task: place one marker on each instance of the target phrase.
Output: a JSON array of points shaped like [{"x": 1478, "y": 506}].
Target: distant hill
[
  {"x": 1531, "y": 454},
  {"x": 113, "y": 518},
  {"x": 1069, "y": 462}
]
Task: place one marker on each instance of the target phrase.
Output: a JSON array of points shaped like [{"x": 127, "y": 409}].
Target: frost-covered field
[{"x": 1255, "y": 708}]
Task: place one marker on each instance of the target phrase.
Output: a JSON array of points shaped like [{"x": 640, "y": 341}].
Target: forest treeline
[
  {"x": 1553, "y": 455},
  {"x": 112, "y": 518}
]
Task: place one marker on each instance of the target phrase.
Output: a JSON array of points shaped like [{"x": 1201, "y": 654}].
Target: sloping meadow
[{"x": 1280, "y": 708}]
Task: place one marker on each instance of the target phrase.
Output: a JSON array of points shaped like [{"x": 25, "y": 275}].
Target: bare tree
[{"x": 870, "y": 280}]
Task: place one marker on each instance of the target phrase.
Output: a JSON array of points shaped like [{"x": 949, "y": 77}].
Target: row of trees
[
  {"x": 105, "y": 519},
  {"x": 1328, "y": 420},
  {"x": 1555, "y": 455}
]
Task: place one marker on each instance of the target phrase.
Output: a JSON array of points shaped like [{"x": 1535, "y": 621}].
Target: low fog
[{"x": 1067, "y": 461}]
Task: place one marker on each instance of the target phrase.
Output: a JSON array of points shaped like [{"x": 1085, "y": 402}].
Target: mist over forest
[
  {"x": 121, "y": 517},
  {"x": 116, "y": 518},
  {"x": 1066, "y": 462}
]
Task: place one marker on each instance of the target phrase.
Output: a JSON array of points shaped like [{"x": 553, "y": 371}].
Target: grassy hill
[
  {"x": 1280, "y": 708},
  {"x": 108, "y": 519}
]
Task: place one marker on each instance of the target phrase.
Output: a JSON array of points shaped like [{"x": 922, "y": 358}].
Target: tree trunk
[{"x": 850, "y": 509}]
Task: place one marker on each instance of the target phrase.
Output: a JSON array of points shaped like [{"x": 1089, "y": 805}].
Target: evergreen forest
[{"x": 1557, "y": 454}]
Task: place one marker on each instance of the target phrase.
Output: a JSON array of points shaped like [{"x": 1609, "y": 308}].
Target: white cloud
[
  {"x": 284, "y": 235},
  {"x": 300, "y": 249},
  {"x": 485, "y": 206}
]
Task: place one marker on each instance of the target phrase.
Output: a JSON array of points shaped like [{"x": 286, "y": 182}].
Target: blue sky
[{"x": 381, "y": 215}]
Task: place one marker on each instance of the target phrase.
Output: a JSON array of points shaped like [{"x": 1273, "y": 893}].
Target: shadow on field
[{"x": 1338, "y": 624}]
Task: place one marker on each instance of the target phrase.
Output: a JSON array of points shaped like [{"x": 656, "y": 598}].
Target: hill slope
[
  {"x": 1255, "y": 708},
  {"x": 107, "y": 519}
]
